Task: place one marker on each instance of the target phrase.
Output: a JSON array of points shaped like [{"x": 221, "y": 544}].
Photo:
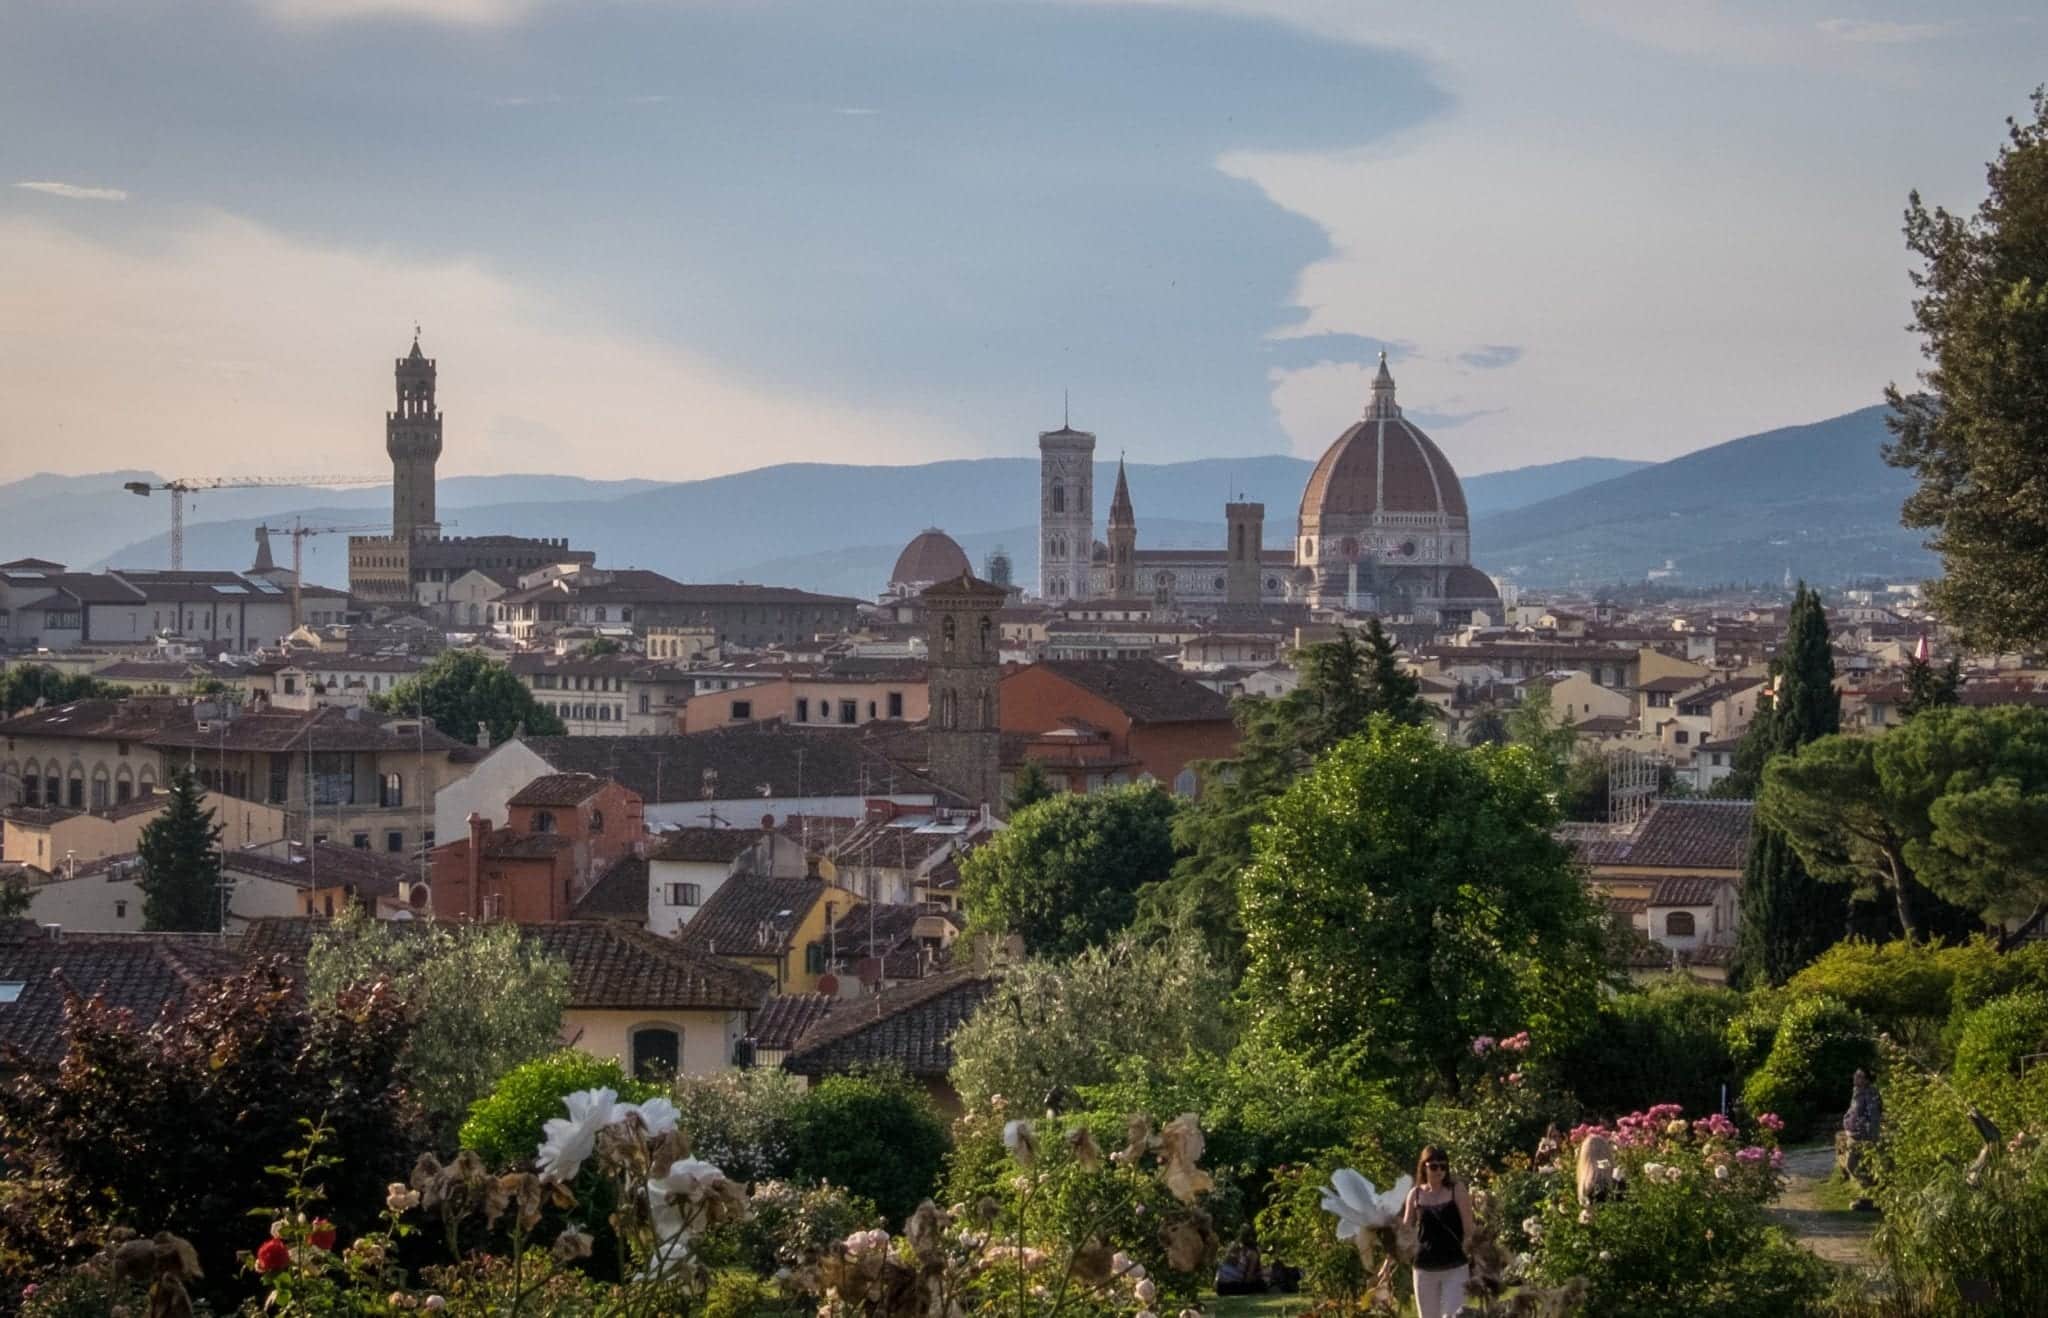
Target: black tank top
[{"x": 1442, "y": 1242}]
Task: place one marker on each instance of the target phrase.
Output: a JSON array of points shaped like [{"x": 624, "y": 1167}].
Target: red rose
[
  {"x": 322, "y": 1234},
  {"x": 273, "y": 1256}
]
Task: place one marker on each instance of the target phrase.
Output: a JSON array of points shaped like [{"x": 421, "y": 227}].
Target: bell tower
[
  {"x": 1066, "y": 516},
  {"x": 1244, "y": 524},
  {"x": 412, "y": 436},
  {"x": 963, "y": 663}
]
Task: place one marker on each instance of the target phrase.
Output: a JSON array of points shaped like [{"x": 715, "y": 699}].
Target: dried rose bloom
[
  {"x": 1094, "y": 1262},
  {"x": 926, "y": 1231},
  {"x": 1180, "y": 1147},
  {"x": 1087, "y": 1153},
  {"x": 1137, "y": 1138},
  {"x": 571, "y": 1245}
]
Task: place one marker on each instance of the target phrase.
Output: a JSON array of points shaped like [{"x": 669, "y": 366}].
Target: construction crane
[
  {"x": 298, "y": 533},
  {"x": 180, "y": 486}
]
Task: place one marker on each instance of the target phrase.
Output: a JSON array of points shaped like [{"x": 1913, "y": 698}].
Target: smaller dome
[{"x": 931, "y": 556}]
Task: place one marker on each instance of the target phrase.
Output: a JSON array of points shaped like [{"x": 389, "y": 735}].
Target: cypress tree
[
  {"x": 182, "y": 885},
  {"x": 1788, "y": 916}
]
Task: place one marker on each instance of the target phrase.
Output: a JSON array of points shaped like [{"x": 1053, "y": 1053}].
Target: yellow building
[
  {"x": 46, "y": 837},
  {"x": 780, "y": 927}
]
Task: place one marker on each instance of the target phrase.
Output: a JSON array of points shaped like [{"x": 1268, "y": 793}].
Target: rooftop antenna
[{"x": 1065, "y": 410}]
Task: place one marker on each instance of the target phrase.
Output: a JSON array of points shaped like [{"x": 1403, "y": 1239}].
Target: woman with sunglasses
[{"x": 1441, "y": 1213}]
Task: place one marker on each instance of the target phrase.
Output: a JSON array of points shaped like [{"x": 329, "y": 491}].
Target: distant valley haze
[{"x": 1815, "y": 500}]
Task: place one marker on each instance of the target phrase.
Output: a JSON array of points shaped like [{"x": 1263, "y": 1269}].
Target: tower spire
[
  {"x": 1382, "y": 404},
  {"x": 1120, "y": 511}
]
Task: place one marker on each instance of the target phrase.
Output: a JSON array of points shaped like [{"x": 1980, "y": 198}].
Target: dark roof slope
[
  {"x": 559, "y": 789},
  {"x": 710, "y": 846},
  {"x": 1148, "y": 691},
  {"x": 737, "y": 762},
  {"x": 909, "y": 1026},
  {"x": 1694, "y": 835},
  {"x": 620, "y": 893},
  {"x": 751, "y": 915},
  {"x": 139, "y": 973},
  {"x": 612, "y": 966},
  {"x": 787, "y": 1017}
]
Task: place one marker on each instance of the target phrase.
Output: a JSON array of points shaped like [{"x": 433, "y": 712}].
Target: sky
[{"x": 675, "y": 238}]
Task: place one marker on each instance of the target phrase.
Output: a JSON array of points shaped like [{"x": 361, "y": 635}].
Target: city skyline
[{"x": 680, "y": 240}]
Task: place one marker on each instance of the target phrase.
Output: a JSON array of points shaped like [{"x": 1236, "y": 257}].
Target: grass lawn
[{"x": 1253, "y": 1306}]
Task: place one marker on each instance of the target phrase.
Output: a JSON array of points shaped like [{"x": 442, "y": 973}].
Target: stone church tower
[
  {"x": 1123, "y": 540},
  {"x": 964, "y": 667},
  {"x": 1066, "y": 517},
  {"x": 1245, "y": 527},
  {"x": 412, "y": 436}
]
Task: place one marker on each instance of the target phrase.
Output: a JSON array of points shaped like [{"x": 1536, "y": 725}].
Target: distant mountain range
[{"x": 1817, "y": 500}]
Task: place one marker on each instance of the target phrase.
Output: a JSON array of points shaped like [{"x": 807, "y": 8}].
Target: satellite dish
[
  {"x": 827, "y": 870},
  {"x": 828, "y": 984},
  {"x": 417, "y": 896}
]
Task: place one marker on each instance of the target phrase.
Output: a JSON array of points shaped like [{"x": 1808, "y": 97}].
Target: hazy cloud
[
  {"x": 1491, "y": 357},
  {"x": 464, "y": 13},
  {"x": 1880, "y": 32},
  {"x": 74, "y": 191},
  {"x": 1301, "y": 350}
]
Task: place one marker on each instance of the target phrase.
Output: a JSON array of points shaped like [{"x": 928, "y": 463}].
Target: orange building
[
  {"x": 1116, "y": 719},
  {"x": 851, "y": 693},
  {"x": 564, "y": 832}
]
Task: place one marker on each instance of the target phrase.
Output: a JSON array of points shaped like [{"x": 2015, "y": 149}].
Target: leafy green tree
[
  {"x": 1788, "y": 916},
  {"x": 1930, "y": 688},
  {"x": 1076, "y": 1022},
  {"x": 1533, "y": 723},
  {"x": 22, "y": 685},
  {"x": 14, "y": 899},
  {"x": 1409, "y": 896},
  {"x": 1982, "y": 775},
  {"x": 504, "y": 1126},
  {"x": 1975, "y": 438},
  {"x": 599, "y": 646},
  {"x": 1065, "y": 873},
  {"x": 1488, "y": 729},
  {"x": 1029, "y": 788},
  {"x": 1343, "y": 685},
  {"x": 486, "y": 999},
  {"x": 876, "y": 1135},
  {"x": 1826, "y": 801},
  {"x": 462, "y": 689},
  {"x": 182, "y": 884}
]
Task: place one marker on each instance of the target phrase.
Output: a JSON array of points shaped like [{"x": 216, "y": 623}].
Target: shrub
[
  {"x": 1675, "y": 1248},
  {"x": 1752, "y": 1033},
  {"x": 1293, "y": 1228},
  {"x": 171, "y": 1126},
  {"x": 1972, "y": 1234},
  {"x": 504, "y": 1128},
  {"x": 1979, "y": 979},
  {"x": 1818, "y": 1047},
  {"x": 1496, "y": 1122},
  {"x": 789, "y": 1226},
  {"x": 1900, "y": 985},
  {"x": 877, "y": 1135},
  {"x": 1670, "y": 1041},
  {"x": 739, "y": 1120},
  {"x": 1998, "y": 1035}
]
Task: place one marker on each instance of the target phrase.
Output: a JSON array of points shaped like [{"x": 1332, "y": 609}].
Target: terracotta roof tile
[
  {"x": 620, "y": 893},
  {"x": 752, "y": 915},
  {"x": 1147, "y": 691},
  {"x": 558, "y": 789},
  {"x": 785, "y": 1018},
  {"x": 909, "y": 1026}
]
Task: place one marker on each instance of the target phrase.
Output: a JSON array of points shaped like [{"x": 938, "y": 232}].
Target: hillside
[
  {"x": 1816, "y": 500},
  {"x": 793, "y": 524}
]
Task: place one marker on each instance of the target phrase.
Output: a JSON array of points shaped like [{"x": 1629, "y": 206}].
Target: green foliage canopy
[
  {"x": 1077, "y": 1022},
  {"x": 464, "y": 688},
  {"x": 877, "y": 1135},
  {"x": 485, "y": 998},
  {"x": 1975, "y": 438},
  {"x": 1409, "y": 896},
  {"x": 504, "y": 1126},
  {"x": 1066, "y": 872}
]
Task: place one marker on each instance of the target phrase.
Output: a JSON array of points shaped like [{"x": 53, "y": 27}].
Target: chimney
[{"x": 479, "y": 827}]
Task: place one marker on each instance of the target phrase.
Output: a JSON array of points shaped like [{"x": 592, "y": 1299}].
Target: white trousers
[{"x": 1440, "y": 1292}]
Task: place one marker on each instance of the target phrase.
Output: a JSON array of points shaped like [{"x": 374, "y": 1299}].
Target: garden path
[{"x": 1821, "y": 1221}]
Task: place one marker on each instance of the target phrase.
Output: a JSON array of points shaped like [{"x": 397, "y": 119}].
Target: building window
[
  {"x": 685, "y": 894},
  {"x": 124, "y": 791},
  {"x": 361, "y": 841},
  {"x": 1681, "y": 736},
  {"x": 1679, "y": 924},
  {"x": 597, "y": 821},
  {"x": 76, "y": 797},
  {"x": 543, "y": 821},
  {"x": 334, "y": 778},
  {"x": 391, "y": 793},
  {"x": 657, "y": 1052},
  {"x": 120, "y": 909},
  {"x": 394, "y": 841},
  {"x": 1184, "y": 783},
  {"x": 742, "y": 710},
  {"x": 895, "y": 704},
  {"x": 849, "y": 711},
  {"x": 814, "y": 959},
  {"x": 803, "y": 709}
]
